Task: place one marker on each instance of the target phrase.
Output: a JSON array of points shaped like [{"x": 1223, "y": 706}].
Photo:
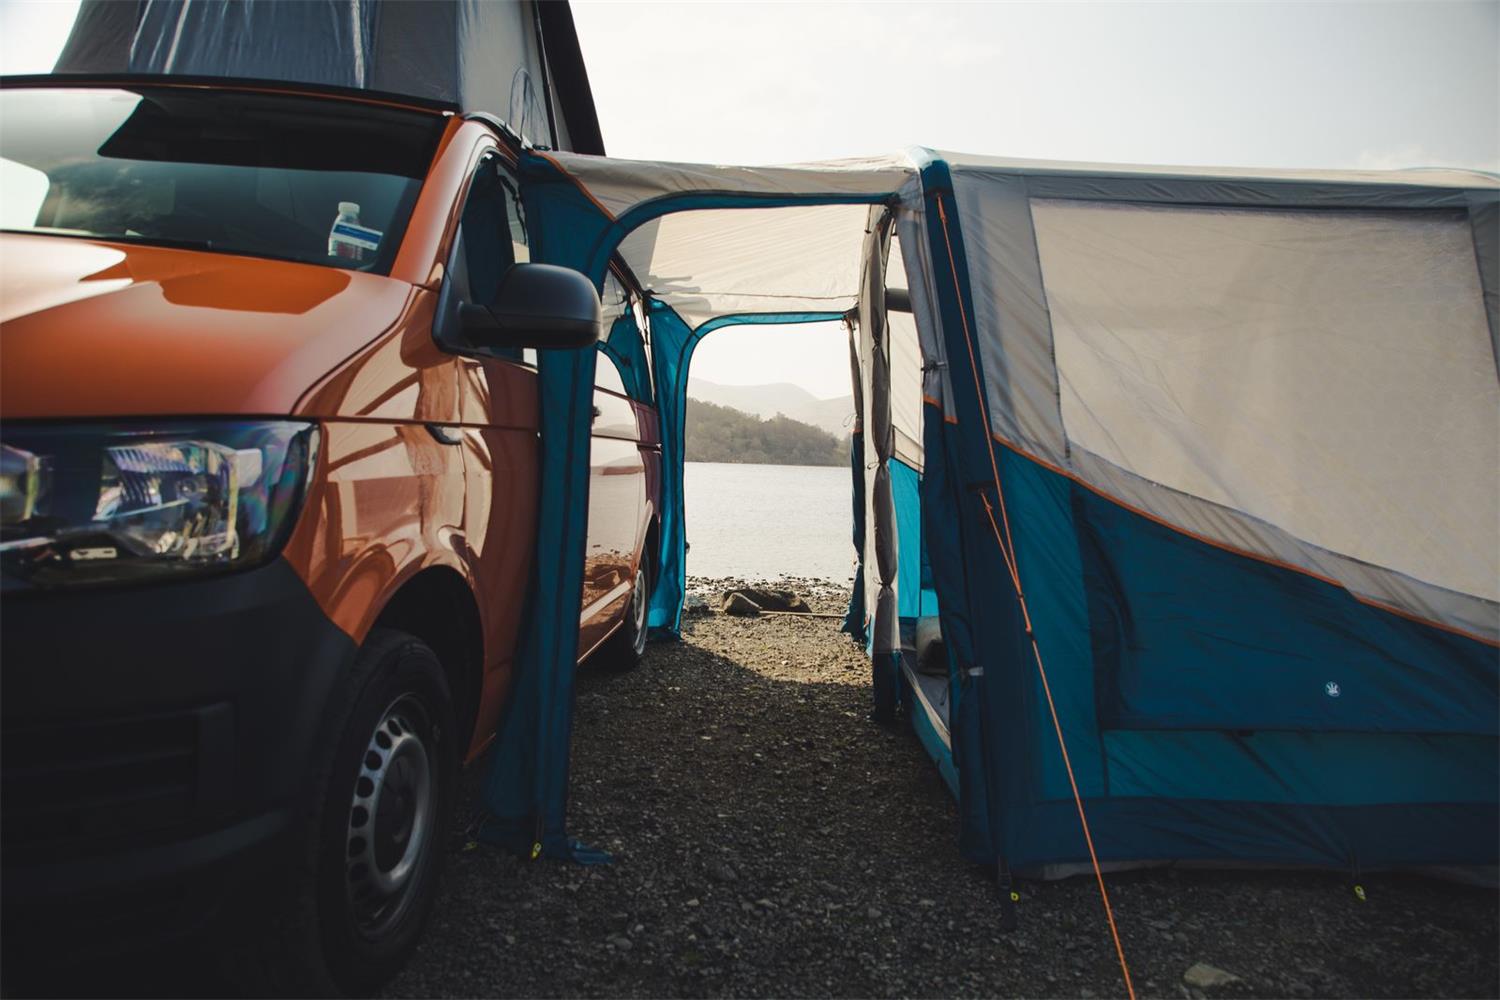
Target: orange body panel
[{"x": 100, "y": 329}]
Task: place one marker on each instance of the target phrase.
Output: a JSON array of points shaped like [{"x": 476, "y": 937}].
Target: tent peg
[{"x": 1009, "y": 916}]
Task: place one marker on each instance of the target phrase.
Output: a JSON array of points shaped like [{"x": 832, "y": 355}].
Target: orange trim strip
[
  {"x": 1008, "y": 550},
  {"x": 1225, "y": 546},
  {"x": 947, "y": 419}
]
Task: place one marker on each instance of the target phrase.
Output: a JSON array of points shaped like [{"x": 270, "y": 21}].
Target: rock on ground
[
  {"x": 751, "y": 600},
  {"x": 769, "y": 840}
]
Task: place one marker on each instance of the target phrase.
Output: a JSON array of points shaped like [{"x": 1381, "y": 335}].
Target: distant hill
[
  {"x": 836, "y": 416},
  {"x": 723, "y": 434}
]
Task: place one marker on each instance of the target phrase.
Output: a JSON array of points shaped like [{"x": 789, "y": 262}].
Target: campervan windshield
[{"x": 266, "y": 175}]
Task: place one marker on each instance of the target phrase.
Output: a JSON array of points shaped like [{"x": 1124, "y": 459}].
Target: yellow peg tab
[
  {"x": 1359, "y": 893},
  {"x": 536, "y": 850},
  {"x": 1015, "y": 897}
]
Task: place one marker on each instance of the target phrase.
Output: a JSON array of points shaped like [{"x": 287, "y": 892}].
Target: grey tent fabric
[{"x": 498, "y": 57}]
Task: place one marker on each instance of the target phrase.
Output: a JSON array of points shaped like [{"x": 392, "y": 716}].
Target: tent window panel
[{"x": 1329, "y": 372}]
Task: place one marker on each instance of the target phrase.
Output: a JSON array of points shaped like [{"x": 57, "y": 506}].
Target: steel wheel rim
[
  {"x": 391, "y": 817},
  {"x": 638, "y": 610}
]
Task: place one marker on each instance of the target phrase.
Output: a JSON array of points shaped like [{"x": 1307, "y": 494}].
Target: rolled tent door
[{"x": 880, "y": 539}]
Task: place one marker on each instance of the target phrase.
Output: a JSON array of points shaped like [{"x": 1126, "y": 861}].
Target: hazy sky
[
  {"x": 1258, "y": 84},
  {"x": 1247, "y": 84},
  {"x": 1380, "y": 85}
]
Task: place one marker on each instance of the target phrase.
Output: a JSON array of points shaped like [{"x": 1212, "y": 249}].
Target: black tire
[
  {"x": 624, "y": 650},
  {"x": 376, "y": 833}
]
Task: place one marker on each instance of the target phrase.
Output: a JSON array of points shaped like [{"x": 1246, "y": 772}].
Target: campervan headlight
[{"x": 91, "y": 505}]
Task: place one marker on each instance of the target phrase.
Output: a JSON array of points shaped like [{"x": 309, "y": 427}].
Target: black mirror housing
[{"x": 537, "y": 305}]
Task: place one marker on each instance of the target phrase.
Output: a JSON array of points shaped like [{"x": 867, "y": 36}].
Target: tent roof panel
[
  {"x": 717, "y": 262},
  {"x": 617, "y": 186},
  {"x": 1426, "y": 177}
]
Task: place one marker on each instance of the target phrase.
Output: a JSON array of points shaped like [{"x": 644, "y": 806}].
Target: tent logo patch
[{"x": 1332, "y": 689}]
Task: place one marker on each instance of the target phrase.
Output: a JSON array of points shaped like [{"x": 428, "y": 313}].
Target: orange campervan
[{"x": 267, "y": 508}]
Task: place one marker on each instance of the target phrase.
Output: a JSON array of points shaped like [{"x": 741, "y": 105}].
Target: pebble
[{"x": 1203, "y": 976}]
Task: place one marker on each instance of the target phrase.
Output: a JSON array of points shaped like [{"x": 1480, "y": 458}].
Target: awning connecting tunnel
[{"x": 1198, "y": 464}]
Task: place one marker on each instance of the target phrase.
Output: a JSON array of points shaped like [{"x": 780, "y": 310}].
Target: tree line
[{"x": 722, "y": 434}]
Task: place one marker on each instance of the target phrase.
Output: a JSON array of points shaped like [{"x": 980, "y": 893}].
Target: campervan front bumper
[{"x": 155, "y": 743}]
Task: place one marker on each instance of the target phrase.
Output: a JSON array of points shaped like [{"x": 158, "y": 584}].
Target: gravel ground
[{"x": 769, "y": 840}]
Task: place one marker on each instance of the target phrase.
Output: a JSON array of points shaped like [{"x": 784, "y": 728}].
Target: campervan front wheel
[{"x": 377, "y": 828}]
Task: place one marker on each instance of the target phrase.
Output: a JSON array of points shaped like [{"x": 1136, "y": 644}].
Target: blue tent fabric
[
  {"x": 1156, "y": 599},
  {"x": 525, "y": 790},
  {"x": 980, "y": 614},
  {"x": 670, "y": 348},
  {"x": 905, "y": 493},
  {"x": 947, "y": 553},
  {"x": 625, "y": 347}
]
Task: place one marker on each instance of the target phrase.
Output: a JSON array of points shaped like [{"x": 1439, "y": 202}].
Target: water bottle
[{"x": 338, "y": 245}]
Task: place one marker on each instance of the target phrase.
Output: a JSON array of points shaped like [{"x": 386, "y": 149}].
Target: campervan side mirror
[
  {"x": 897, "y": 300},
  {"x": 537, "y": 305}
]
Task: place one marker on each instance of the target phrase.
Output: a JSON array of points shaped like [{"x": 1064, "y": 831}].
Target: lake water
[{"x": 760, "y": 522}]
